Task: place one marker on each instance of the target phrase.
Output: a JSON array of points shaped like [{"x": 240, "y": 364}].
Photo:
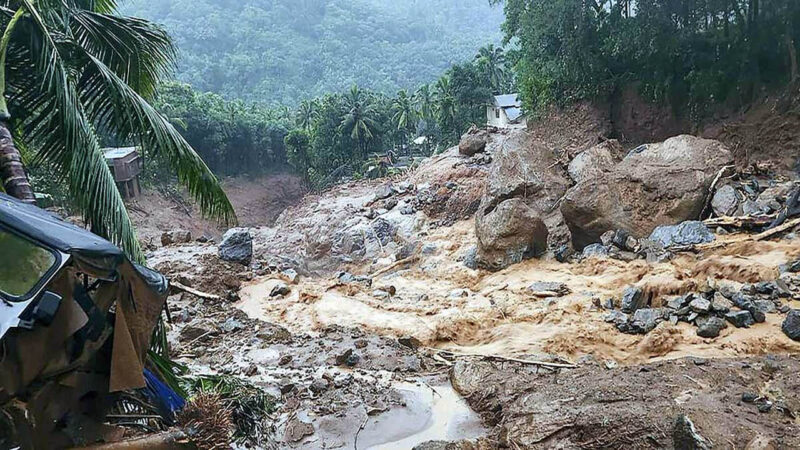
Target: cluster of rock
[
  {"x": 712, "y": 310},
  {"x": 621, "y": 245},
  {"x": 752, "y": 197},
  {"x": 532, "y": 204}
]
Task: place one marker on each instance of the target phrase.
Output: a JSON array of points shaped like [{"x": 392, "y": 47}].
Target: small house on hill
[
  {"x": 505, "y": 111},
  {"x": 126, "y": 165}
]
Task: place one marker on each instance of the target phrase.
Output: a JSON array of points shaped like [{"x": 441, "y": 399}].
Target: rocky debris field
[{"x": 506, "y": 294}]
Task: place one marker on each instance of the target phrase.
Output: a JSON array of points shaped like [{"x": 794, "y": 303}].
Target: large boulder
[
  {"x": 473, "y": 141},
  {"x": 518, "y": 216},
  {"x": 594, "y": 161},
  {"x": 508, "y": 233},
  {"x": 655, "y": 184},
  {"x": 236, "y": 246}
]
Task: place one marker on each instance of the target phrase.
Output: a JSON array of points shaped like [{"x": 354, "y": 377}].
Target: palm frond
[
  {"x": 116, "y": 107},
  {"x": 137, "y": 51},
  {"x": 61, "y": 134}
]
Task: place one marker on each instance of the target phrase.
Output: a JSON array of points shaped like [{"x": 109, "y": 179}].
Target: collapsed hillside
[{"x": 527, "y": 272}]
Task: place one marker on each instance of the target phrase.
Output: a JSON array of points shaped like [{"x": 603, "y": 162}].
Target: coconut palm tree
[
  {"x": 492, "y": 61},
  {"x": 71, "y": 70},
  {"x": 424, "y": 101},
  {"x": 359, "y": 119},
  {"x": 405, "y": 115},
  {"x": 445, "y": 104},
  {"x": 307, "y": 111}
]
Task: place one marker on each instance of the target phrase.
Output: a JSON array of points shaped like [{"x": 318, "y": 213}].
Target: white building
[{"x": 506, "y": 112}]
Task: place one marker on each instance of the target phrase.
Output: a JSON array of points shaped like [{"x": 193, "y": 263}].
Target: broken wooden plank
[{"x": 504, "y": 358}]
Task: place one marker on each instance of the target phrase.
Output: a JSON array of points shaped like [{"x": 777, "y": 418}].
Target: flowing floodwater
[{"x": 432, "y": 413}]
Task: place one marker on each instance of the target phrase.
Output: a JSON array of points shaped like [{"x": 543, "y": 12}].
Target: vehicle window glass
[{"x": 22, "y": 265}]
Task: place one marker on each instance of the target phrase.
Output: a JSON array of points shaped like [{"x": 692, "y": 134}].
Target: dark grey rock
[
  {"x": 791, "y": 325},
  {"x": 725, "y": 201},
  {"x": 765, "y": 306},
  {"x": 720, "y": 303},
  {"x": 632, "y": 299},
  {"x": 646, "y": 319},
  {"x": 556, "y": 288},
  {"x": 349, "y": 358},
  {"x": 607, "y": 238},
  {"x": 764, "y": 287},
  {"x": 616, "y": 317},
  {"x": 740, "y": 319},
  {"x": 470, "y": 258},
  {"x": 347, "y": 277},
  {"x": 609, "y": 304},
  {"x": 679, "y": 302},
  {"x": 319, "y": 385},
  {"x": 236, "y": 246},
  {"x": 710, "y": 327},
  {"x": 686, "y": 233},
  {"x": 279, "y": 290},
  {"x": 595, "y": 250},
  {"x": 747, "y": 303},
  {"x": 563, "y": 253},
  {"x": 700, "y": 305},
  {"x": 686, "y": 437}
]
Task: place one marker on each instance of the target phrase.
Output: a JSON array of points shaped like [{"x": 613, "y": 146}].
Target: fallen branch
[
  {"x": 713, "y": 189},
  {"x": 166, "y": 440},
  {"x": 504, "y": 358},
  {"x": 195, "y": 292},
  {"x": 409, "y": 260},
  {"x": 752, "y": 238},
  {"x": 741, "y": 222}
]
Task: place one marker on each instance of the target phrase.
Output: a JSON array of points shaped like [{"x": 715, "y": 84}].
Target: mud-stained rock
[
  {"x": 594, "y": 161},
  {"x": 175, "y": 237},
  {"x": 473, "y": 141},
  {"x": 655, "y": 184},
  {"x": 508, "y": 233},
  {"x": 526, "y": 172}
]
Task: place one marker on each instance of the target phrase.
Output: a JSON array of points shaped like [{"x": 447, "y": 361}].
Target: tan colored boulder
[
  {"x": 655, "y": 184},
  {"x": 508, "y": 233}
]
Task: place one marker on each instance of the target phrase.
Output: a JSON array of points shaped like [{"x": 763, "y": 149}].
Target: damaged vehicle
[{"x": 76, "y": 321}]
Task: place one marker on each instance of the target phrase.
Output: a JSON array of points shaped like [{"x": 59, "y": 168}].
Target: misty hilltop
[{"x": 287, "y": 50}]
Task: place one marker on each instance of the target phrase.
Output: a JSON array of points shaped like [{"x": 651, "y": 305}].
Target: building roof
[
  {"x": 118, "y": 152},
  {"x": 507, "y": 101}
]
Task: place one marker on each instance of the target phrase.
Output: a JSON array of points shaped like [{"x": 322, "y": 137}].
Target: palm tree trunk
[{"x": 12, "y": 173}]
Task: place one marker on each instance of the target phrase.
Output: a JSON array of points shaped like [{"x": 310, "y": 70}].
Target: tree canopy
[{"x": 284, "y": 51}]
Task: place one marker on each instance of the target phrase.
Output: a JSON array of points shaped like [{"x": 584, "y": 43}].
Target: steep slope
[{"x": 285, "y": 50}]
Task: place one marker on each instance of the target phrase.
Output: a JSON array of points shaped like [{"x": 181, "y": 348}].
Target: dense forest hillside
[{"x": 283, "y": 51}]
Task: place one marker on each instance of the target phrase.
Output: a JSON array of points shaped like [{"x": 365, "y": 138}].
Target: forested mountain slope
[{"x": 286, "y": 50}]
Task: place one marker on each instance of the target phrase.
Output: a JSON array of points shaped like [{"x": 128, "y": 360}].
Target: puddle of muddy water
[{"x": 432, "y": 413}]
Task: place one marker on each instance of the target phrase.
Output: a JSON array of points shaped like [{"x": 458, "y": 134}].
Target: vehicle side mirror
[{"x": 47, "y": 307}]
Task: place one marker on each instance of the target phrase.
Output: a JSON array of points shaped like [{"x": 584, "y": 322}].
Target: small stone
[
  {"x": 765, "y": 406},
  {"x": 285, "y": 359},
  {"x": 410, "y": 342},
  {"x": 646, "y": 319},
  {"x": 609, "y": 304},
  {"x": 595, "y": 251},
  {"x": 764, "y": 287},
  {"x": 231, "y": 325},
  {"x": 548, "y": 289},
  {"x": 616, "y": 317},
  {"x": 291, "y": 275},
  {"x": 384, "y": 192},
  {"x": 720, "y": 304},
  {"x": 700, "y": 305},
  {"x": 749, "y": 397},
  {"x": 349, "y": 358},
  {"x": 279, "y": 290},
  {"x": 632, "y": 299},
  {"x": 458, "y": 293},
  {"x": 740, "y": 319},
  {"x": 710, "y": 327},
  {"x": 319, "y": 385},
  {"x": 360, "y": 343},
  {"x": 563, "y": 253},
  {"x": 765, "y": 306},
  {"x": 380, "y": 294},
  {"x": 791, "y": 325},
  {"x": 692, "y": 317},
  {"x": 679, "y": 302},
  {"x": 429, "y": 249},
  {"x": 342, "y": 380}
]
